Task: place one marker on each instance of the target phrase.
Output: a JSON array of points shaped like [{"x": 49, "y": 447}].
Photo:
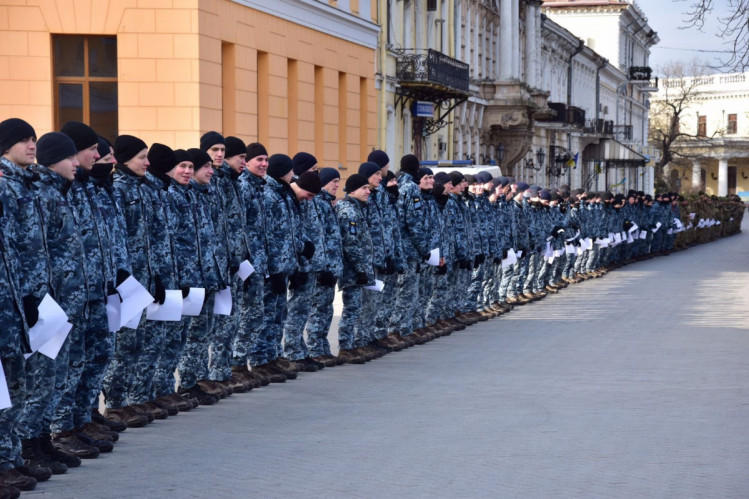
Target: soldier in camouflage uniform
[
  {"x": 26, "y": 285},
  {"x": 358, "y": 264},
  {"x": 464, "y": 251},
  {"x": 321, "y": 312},
  {"x": 46, "y": 377},
  {"x": 301, "y": 291},
  {"x": 520, "y": 242},
  {"x": 434, "y": 228},
  {"x": 438, "y": 310}
]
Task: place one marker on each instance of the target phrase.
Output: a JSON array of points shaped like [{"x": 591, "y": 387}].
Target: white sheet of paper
[
  {"x": 558, "y": 253},
  {"x": 245, "y": 270},
  {"x": 511, "y": 259},
  {"x": 579, "y": 250},
  {"x": 603, "y": 243},
  {"x": 633, "y": 228},
  {"x": 193, "y": 304},
  {"x": 378, "y": 286},
  {"x": 670, "y": 231},
  {"x": 434, "y": 257},
  {"x": 657, "y": 226},
  {"x": 135, "y": 321},
  {"x": 588, "y": 243},
  {"x": 135, "y": 298},
  {"x": 548, "y": 252},
  {"x": 691, "y": 216},
  {"x": 171, "y": 310},
  {"x": 113, "y": 313},
  {"x": 569, "y": 249},
  {"x": 519, "y": 254},
  {"x": 5, "y": 401},
  {"x": 52, "y": 347},
  {"x": 51, "y": 319},
  {"x": 643, "y": 234},
  {"x": 629, "y": 239},
  {"x": 717, "y": 222},
  {"x": 222, "y": 303},
  {"x": 617, "y": 238}
]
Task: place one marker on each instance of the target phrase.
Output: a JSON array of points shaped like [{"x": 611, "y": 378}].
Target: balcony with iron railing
[{"x": 420, "y": 67}]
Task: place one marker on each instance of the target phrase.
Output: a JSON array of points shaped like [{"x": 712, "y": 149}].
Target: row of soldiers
[{"x": 415, "y": 257}]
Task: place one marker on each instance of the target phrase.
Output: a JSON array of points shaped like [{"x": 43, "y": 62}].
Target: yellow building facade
[{"x": 296, "y": 75}]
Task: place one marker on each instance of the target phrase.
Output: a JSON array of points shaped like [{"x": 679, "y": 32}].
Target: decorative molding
[{"x": 320, "y": 17}]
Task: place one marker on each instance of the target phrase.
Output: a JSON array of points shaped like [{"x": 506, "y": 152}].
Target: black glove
[
  {"x": 185, "y": 292},
  {"x": 361, "y": 278},
  {"x": 233, "y": 269},
  {"x": 465, "y": 264},
  {"x": 557, "y": 230},
  {"x": 504, "y": 253},
  {"x": 309, "y": 250},
  {"x": 327, "y": 279},
  {"x": 425, "y": 258},
  {"x": 30, "y": 310},
  {"x": 441, "y": 270},
  {"x": 122, "y": 275},
  {"x": 160, "y": 296},
  {"x": 482, "y": 258},
  {"x": 297, "y": 280},
  {"x": 277, "y": 283},
  {"x": 389, "y": 265},
  {"x": 497, "y": 260},
  {"x": 576, "y": 242},
  {"x": 418, "y": 268},
  {"x": 627, "y": 225}
]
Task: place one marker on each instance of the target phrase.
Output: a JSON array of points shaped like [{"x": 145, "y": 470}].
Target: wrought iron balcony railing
[{"x": 430, "y": 66}]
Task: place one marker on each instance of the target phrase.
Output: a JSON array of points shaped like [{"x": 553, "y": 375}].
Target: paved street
[{"x": 633, "y": 385}]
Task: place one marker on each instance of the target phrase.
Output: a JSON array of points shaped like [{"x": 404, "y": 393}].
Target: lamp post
[{"x": 500, "y": 151}]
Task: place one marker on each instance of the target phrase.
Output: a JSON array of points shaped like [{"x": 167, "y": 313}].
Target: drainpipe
[
  {"x": 382, "y": 94},
  {"x": 451, "y": 52},
  {"x": 604, "y": 63}
]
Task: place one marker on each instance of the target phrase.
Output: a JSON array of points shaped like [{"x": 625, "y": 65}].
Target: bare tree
[
  {"x": 734, "y": 28},
  {"x": 668, "y": 111}
]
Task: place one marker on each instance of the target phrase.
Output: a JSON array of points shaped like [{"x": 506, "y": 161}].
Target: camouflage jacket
[
  {"x": 412, "y": 220},
  {"x": 226, "y": 182},
  {"x": 284, "y": 229},
  {"x": 252, "y": 199},
  {"x": 212, "y": 242},
  {"x": 184, "y": 235},
  {"x": 356, "y": 240},
  {"x": 332, "y": 247}
]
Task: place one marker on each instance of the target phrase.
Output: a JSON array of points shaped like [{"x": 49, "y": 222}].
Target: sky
[{"x": 667, "y": 16}]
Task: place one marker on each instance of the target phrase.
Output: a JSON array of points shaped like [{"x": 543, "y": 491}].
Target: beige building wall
[{"x": 189, "y": 66}]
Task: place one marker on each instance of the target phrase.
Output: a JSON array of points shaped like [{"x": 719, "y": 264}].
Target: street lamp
[
  {"x": 540, "y": 157},
  {"x": 500, "y": 150}
]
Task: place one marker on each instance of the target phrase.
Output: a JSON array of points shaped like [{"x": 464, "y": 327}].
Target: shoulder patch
[
  {"x": 417, "y": 202},
  {"x": 352, "y": 227}
]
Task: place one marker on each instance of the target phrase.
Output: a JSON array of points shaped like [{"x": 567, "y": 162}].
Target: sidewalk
[{"x": 633, "y": 385}]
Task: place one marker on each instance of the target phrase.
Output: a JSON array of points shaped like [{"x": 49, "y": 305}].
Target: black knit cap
[
  {"x": 503, "y": 181},
  {"x": 13, "y": 131},
  {"x": 256, "y": 149},
  {"x": 103, "y": 147},
  {"x": 181, "y": 156},
  {"x": 310, "y": 182},
  {"x": 200, "y": 158},
  {"x": 456, "y": 178},
  {"x": 279, "y": 165},
  {"x": 234, "y": 147},
  {"x": 83, "y": 135},
  {"x": 470, "y": 179},
  {"x": 441, "y": 178},
  {"x": 423, "y": 172},
  {"x": 303, "y": 161},
  {"x": 161, "y": 158},
  {"x": 54, "y": 147},
  {"x": 410, "y": 164},
  {"x": 126, "y": 147},
  {"x": 355, "y": 182},
  {"x": 327, "y": 175},
  {"x": 379, "y": 157},
  {"x": 210, "y": 139},
  {"x": 368, "y": 169}
]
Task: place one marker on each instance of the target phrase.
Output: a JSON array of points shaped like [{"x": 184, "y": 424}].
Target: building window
[
  {"x": 701, "y": 126},
  {"x": 85, "y": 81},
  {"x": 731, "y": 128}
]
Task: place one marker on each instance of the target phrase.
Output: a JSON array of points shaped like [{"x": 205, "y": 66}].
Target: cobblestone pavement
[{"x": 633, "y": 385}]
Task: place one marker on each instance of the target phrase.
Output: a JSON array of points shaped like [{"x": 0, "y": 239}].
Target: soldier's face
[
  {"x": 138, "y": 164},
  {"x": 203, "y": 175},
  {"x": 88, "y": 157},
  {"x": 375, "y": 179},
  {"x": 332, "y": 186},
  {"x": 384, "y": 170},
  {"x": 22, "y": 153},
  {"x": 182, "y": 173},
  {"x": 217, "y": 153},
  {"x": 426, "y": 182},
  {"x": 258, "y": 166},
  {"x": 304, "y": 195},
  {"x": 237, "y": 163},
  {"x": 460, "y": 188},
  {"x": 361, "y": 194},
  {"x": 66, "y": 168}
]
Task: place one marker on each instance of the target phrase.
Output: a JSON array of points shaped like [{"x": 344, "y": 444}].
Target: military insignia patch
[{"x": 352, "y": 227}]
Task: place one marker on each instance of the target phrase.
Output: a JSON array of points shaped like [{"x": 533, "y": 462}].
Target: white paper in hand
[
  {"x": 135, "y": 298},
  {"x": 434, "y": 257},
  {"x": 643, "y": 234},
  {"x": 5, "y": 401},
  {"x": 51, "y": 319},
  {"x": 193, "y": 303},
  {"x": 510, "y": 260},
  {"x": 222, "y": 303},
  {"x": 378, "y": 286},
  {"x": 135, "y": 321},
  {"x": 171, "y": 310},
  {"x": 113, "y": 313},
  {"x": 52, "y": 347},
  {"x": 657, "y": 226},
  {"x": 245, "y": 270}
]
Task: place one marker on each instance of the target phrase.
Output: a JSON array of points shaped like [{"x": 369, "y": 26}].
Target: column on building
[
  {"x": 530, "y": 45},
  {"x": 696, "y": 174},
  {"x": 515, "y": 39},
  {"x": 505, "y": 40},
  {"x": 723, "y": 177}
]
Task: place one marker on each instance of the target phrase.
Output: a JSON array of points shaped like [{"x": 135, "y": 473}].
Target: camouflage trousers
[
  {"x": 505, "y": 281},
  {"x": 14, "y": 367},
  {"x": 387, "y": 306},
  {"x": 175, "y": 338},
  {"x": 193, "y": 365},
  {"x": 519, "y": 273},
  {"x": 352, "y": 303},
  {"x": 473, "y": 297},
  {"x": 298, "y": 306},
  {"x": 152, "y": 339},
  {"x": 224, "y": 330},
  {"x": 370, "y": 304},
  {"x": 490, "y": 286},
  {"x": 462, "y": 281},
  {"x": 274, "y": 314},
  {"x": 569, "y": 265},
  {"x": 250, "y": 325},
  {"x": 62, "y": 406},
  {"x": 426, "y": 287},
  {"x": 320, "y": 318},
  {"x": 43, "y": 377},
  {"x": 535, "y": 260},
  {"x": 118, "y": 379},
  {"x": 406, "y": 300},
  {"x": 438, "y": 307}
]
